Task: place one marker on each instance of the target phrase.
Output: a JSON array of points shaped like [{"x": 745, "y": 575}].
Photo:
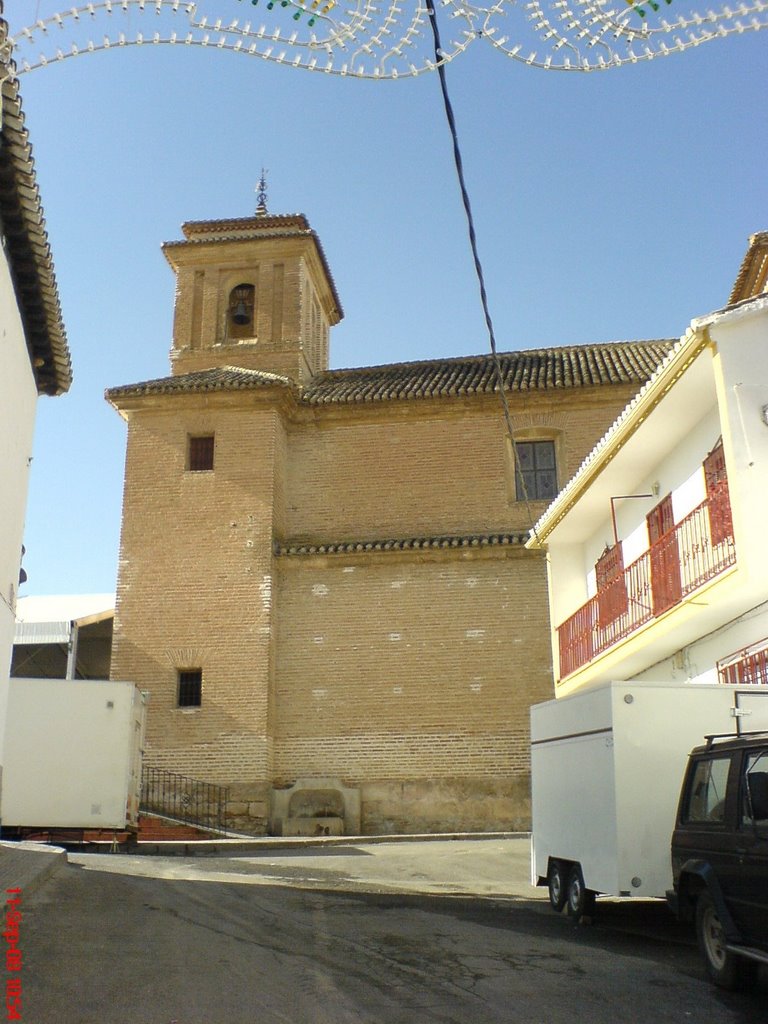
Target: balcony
[
  {"x": 695, "y": 551},
  {"x": 745, "y": 667}
]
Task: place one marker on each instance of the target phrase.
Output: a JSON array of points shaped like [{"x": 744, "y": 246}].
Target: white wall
[
  {"x": 697, "y": 663},
  {"x": 677, "y": 472},
  {"x": 18, "y": 399},
  {"x": 742, "y": 341}
]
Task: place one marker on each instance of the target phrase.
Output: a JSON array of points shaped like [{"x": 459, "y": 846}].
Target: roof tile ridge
[
  {"x": 512, "y": 354},
  {"x": 253, "y": 372}
]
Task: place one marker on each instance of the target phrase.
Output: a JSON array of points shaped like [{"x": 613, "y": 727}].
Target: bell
[{"x": 240, "y": 314}]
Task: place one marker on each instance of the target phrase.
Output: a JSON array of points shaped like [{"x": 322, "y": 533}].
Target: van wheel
[
  {"x": 580, "y": 900},
  {"x": 556, "y": 884},
  {"x": 724, "y": 969}
]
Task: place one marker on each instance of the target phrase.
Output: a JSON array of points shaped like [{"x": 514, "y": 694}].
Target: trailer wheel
[
  {"x": 580, "y": 900},
  {"x": 556, "y": 885}
]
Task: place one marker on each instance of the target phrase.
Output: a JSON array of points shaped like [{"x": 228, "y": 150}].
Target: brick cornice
[{"x": 443, "y": 542}]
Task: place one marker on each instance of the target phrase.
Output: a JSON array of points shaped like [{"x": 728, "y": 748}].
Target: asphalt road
[{"x": 125, "y": 946}]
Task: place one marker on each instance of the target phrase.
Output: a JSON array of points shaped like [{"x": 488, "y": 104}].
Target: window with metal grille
[
  {"x": 535, "y": 470},
  {"x": 200, "y": 453},
  {"x": 190, "y": 688}
]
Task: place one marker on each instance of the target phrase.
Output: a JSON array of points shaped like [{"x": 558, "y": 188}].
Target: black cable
[{"x": 439, "y": 61}]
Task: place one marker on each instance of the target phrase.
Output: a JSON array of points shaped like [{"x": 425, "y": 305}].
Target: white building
[
  {"x": 34, "y": 357},
  {"x": 658, "y": 547}
]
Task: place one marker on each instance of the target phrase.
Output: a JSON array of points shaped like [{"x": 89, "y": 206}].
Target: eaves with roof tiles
[
  {"x": 26, "y": 241},
  {"x": 221, "y": 378},
  {"x": 752, "y": 278},
  {"x": 443, "y": 542},
  {"x": 535, "y": 370}
]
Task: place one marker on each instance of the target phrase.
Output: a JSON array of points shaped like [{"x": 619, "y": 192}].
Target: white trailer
[
  {"x": 606, "y": 769},
  {"x": 73, "y": 753}
]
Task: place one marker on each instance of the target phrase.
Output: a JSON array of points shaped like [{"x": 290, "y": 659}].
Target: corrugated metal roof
[
  {"x": 48, "y": 619},
  {"x": 42, "y": 633}
]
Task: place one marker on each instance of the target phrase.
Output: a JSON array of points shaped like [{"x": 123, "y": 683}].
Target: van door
[
  {"x": 749, "y": 888},
  {"x": 751, "y": 711}
]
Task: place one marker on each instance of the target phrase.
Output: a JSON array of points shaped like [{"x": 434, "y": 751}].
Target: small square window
[
  {"x": 200, "y": 453},
  {"x": 190, "y": 688},
  {"x": 535, "y": 470}
]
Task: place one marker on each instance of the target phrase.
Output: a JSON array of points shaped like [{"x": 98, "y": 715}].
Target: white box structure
[
  {"x": 607, "y": 765},
  {"x": 73, "y": 754}
]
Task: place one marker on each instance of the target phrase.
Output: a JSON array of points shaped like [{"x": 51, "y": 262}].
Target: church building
[{"x": 323, "y": 577}]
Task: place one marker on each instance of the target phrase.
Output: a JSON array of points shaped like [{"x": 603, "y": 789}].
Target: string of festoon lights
[{"x": 385, "y": 39}]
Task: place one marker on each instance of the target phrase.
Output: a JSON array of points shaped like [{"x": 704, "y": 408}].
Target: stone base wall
[
  {"x": 248, "y": 808},
  {"x": 446, "y": 805},
  {"x": 394, "y": 807}
]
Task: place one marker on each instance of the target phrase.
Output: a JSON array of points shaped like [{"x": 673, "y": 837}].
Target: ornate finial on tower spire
[{"x": 261, "y": 195}]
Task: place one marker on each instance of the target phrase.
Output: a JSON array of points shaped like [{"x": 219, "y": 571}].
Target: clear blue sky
[{"x": 608, "y": 206}]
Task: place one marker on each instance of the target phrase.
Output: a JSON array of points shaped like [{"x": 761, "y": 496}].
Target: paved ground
[
  {"x": 27, "y": 865},
  {"x": 370, "y": 933},
  {"x": 472, "y": 867}
]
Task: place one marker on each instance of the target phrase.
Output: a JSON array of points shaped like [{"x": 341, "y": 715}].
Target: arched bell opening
[{"x": 240, "y": 311}]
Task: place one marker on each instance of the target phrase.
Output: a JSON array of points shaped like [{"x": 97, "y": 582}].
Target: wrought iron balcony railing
[
  {"x": 696, "y": 550},
  {"x": 745, "y": 667}
]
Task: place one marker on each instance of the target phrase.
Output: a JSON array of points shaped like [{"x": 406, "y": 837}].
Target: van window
[{"x": 706, "y": 793}]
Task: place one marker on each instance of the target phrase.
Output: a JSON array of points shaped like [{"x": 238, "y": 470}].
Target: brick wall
[
  {"x": 407, "y": 674},
  {"x": 431, "y": 467},
  {"x": 411, "y": 676},
  {"x": 286, "y": 287},
  {"x": 195, "y": 586}
]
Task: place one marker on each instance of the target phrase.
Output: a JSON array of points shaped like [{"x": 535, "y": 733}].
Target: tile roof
[
  {"x": 532, "y": 370},
  {"x": 27, "y": 245},
  {"x": 221, "y": 378},
  {"x": 516, "y": 539},
  {"x": 752, "y": 278},
  {"x": 277, "y": 223}
]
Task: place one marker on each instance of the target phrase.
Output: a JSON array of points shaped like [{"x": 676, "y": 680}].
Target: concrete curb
[
  {"x": 233, "y": 847},
  {"x": 27, "y": 866}
]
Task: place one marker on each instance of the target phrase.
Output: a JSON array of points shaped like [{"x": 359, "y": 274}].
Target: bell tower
[{"x": 255, "y": 293}]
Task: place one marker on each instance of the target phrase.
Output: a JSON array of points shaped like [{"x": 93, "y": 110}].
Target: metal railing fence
[
  {"x": 745, "y": 667},
  {"x": 183, "y": 799}
]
